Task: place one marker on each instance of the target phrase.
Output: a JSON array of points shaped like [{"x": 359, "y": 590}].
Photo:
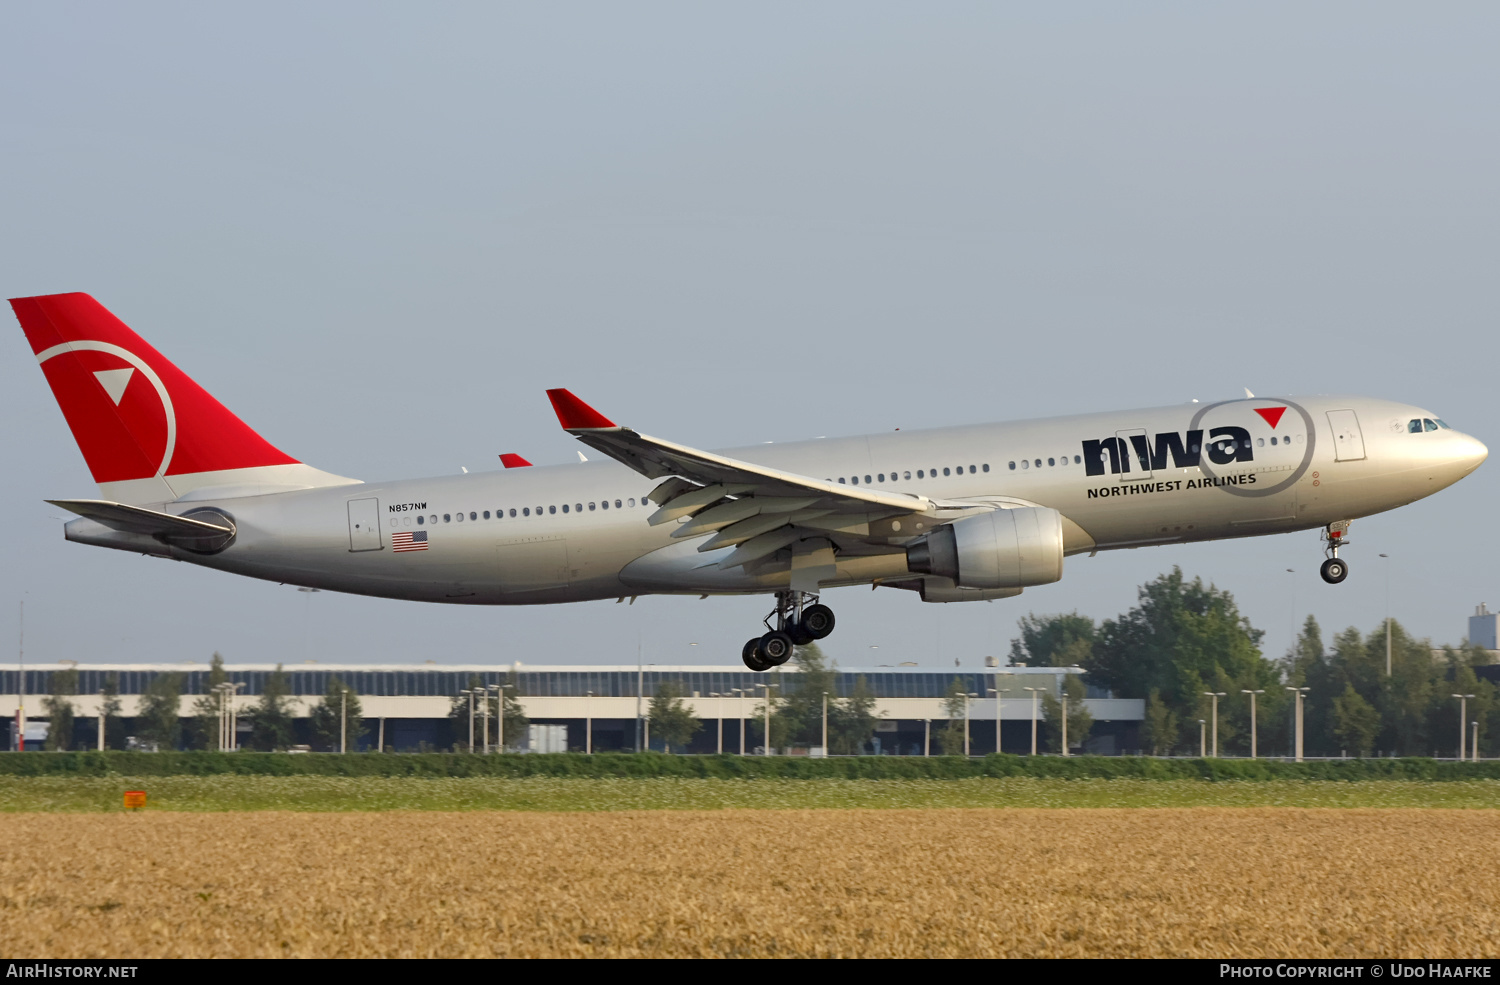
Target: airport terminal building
[{"x": 409, "y": 707}]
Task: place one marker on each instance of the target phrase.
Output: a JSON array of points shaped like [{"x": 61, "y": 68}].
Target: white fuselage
[{"x": 543, "y": 534}]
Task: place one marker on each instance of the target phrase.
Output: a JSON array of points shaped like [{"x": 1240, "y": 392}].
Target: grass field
[
  {"x": 1217, "y": 882},
  {"x": 322, "y": 793}
]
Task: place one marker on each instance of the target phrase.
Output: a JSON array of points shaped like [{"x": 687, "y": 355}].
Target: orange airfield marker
[{"x": 135, "y": 799}]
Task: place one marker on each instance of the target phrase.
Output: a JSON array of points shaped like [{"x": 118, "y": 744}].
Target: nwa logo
[
  {"x": 1151, "y": 453},
  {"x": 1226, "y": 445}
]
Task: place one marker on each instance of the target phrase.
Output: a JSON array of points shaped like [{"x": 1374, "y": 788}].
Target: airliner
[{"x": 956, "y": 514}]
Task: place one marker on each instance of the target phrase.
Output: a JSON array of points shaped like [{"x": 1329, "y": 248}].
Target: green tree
[
  {"x": 158, "y": 721},
  {"x": 798, "y": 708},
  {"x": 1181, "y": 639},
  {"x": 62, "y": 684},
  {"x": 1160, "y": 731},
  {"x": 852, "y": 720},
  {"x": 1080, "y": 721},
  {"x": 1355, "y": 721},
  {"x": 336, "y": 716},
  {"x": 485, "y": 700},
  {"x": 670, "y": 718},
  {"x": 1053, "y": 641},
  {"x": 114, "y": 725},
  {"x": 955, "y": 706},
  {"x": 271, "y": 718},
  {"x": 513, "y": 715},
  {"x": 203, "y": 727}
]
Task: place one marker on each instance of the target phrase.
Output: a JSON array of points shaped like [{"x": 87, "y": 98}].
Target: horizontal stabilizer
[{"x": 184, "y": 530}]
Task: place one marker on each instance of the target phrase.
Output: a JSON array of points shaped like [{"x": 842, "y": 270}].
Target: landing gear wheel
[
  {"x": 817, "y": 621},
  {"x": 775, "y": 648},
  {"x": 1334, "y": 571},
  {"x": 800, "y": 636},
  {"x": 751, "y": 655}
]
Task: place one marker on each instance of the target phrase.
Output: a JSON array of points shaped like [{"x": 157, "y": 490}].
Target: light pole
[
  {"x": 588, "y": 723},
  {"x": 768, "y": 716},
  {"x": 101, "y": 719},
  {"x": 1474, "y": 743},
  {"x": 1252, "y": 718},
  {"x": 1202, "y": 739},
  {"x": 1216, "y": 695},
  {"x": 234, "y": 716},
  {"x": 967, "y": 696},
  {"x": 1035, "y": 692},
  {"x": 741, "y": 693},
  {"x": 470, "y": 693},
  {"x": 344, "y": 721},
  {"x": 499, "y": 690},
  {"x": 1387, "y": 617},
  {"x": 1298, "y": 693},
  {"x": 1463, "y": 712},
  {"x": 926, "y": 736},
  {"x": 998, "y": 692},
  {"x": 1065, "y": 723},
  {"x": 825, "y": 723}
]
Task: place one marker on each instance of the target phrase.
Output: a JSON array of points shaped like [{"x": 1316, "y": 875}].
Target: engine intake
[{"x": 999, "y": 549}]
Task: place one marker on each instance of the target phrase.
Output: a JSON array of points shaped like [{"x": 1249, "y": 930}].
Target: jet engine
[{"x": 999, "y": 549}]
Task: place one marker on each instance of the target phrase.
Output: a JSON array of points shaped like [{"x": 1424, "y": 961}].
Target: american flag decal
[{"x": 409, "y": 540}]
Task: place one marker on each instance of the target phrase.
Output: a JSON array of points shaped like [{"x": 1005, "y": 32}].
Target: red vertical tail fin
[{"x": 146, "y": 430}]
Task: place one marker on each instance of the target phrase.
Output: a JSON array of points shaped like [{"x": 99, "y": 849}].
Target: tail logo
[{"x": 115, "y": 382}]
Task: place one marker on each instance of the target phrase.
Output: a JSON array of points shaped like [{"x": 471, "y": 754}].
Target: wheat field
[{"x": 1214, "y": 882}]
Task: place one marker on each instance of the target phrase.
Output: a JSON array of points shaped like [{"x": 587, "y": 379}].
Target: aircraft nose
[{"x": 1473, "y": 452}]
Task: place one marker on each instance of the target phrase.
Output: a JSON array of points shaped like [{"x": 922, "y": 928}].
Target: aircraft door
[
  {"x": 1348, "y": 441},
  {"x": 364, "y": 525},
  {"x": 1135, "y": 454}
]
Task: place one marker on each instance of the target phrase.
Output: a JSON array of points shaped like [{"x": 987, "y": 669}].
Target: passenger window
[
  {"x": 1012, "y": 466},
  {"x": 1414, "y": 427},
  {"x": 432, "y": 518},
  {"x": 1039, "y": 463},
  {"x": 631, "y": 501},
  {"x": 591, "y": 507},
  {"x": 1429, "y": 424},
  {"x": 972, "y": 470},
  {"x": 985, "y": 466},
  {"x": 1078, "y": 459},
  {"x": 617, "y": 504},
  {"x": 486, "y": 514},
  {"x": 565, "y": 507},
  {"x": 577, "y": 507},
  {"x": 1260, "y": 442},
  {"x": 1025, "y": 464},
  {"x": 907, "y": 474},
  {"x": 867, "y": 480},
  {"x": 526, "y": 511},
  {"x": 881, "y": 477},
  {"x": 473, "y": 516},
  {"x": 512, "y": 512},
  {"x": 1051, "y": 461},
  {"x": 920, "y": 474},
  {"x": 552, "y": 509},
  {"x": 447, "y": 517},
  {"x": 945, "y": 471},
  {"x": 1273, "y": 441},
  {"x": 842, "y": 482},
  {"x": 854, "y": 480},
  {"x": 419, "y": 521}
]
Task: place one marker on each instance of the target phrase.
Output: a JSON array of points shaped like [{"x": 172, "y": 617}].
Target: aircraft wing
[{"x": 757, "y": 509}]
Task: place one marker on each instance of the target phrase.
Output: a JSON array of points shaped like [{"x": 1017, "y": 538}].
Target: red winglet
[
  {"x": 575, "y": 415},
  {"x": 513, "y": 461}
]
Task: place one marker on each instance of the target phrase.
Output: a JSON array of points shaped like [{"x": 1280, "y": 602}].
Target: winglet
[
  {"x": 575, "y": 415},
  {"x": 513, "y": 461}
]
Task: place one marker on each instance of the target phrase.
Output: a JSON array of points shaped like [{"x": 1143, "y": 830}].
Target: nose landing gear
[
  {"x": 797, "y": 624},
  {"x": 1334, "y": 570}
]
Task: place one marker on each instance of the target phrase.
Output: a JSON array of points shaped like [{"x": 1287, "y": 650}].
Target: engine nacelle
[{"x": 999, "y": 549}]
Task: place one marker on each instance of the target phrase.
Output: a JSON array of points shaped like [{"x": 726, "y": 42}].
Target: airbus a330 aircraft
[{"x": 955, "y": 514}]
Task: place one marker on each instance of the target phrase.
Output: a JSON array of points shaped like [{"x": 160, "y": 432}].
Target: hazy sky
[{"x": 378, "y": 232}]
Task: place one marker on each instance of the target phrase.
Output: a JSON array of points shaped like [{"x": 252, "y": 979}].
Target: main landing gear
[
  {"x": 1334, "y": 570},
  {"x": 797, "y": 624}
]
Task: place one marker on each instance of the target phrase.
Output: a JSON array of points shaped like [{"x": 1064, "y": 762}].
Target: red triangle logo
[{"x": 1271, "y": 414}]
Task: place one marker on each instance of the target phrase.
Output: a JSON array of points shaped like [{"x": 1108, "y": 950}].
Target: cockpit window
[
  {"x": 1444, "y": 424},
  {"x": 1429, "y": 424},
  {"x": 1414, "y": 426}
]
